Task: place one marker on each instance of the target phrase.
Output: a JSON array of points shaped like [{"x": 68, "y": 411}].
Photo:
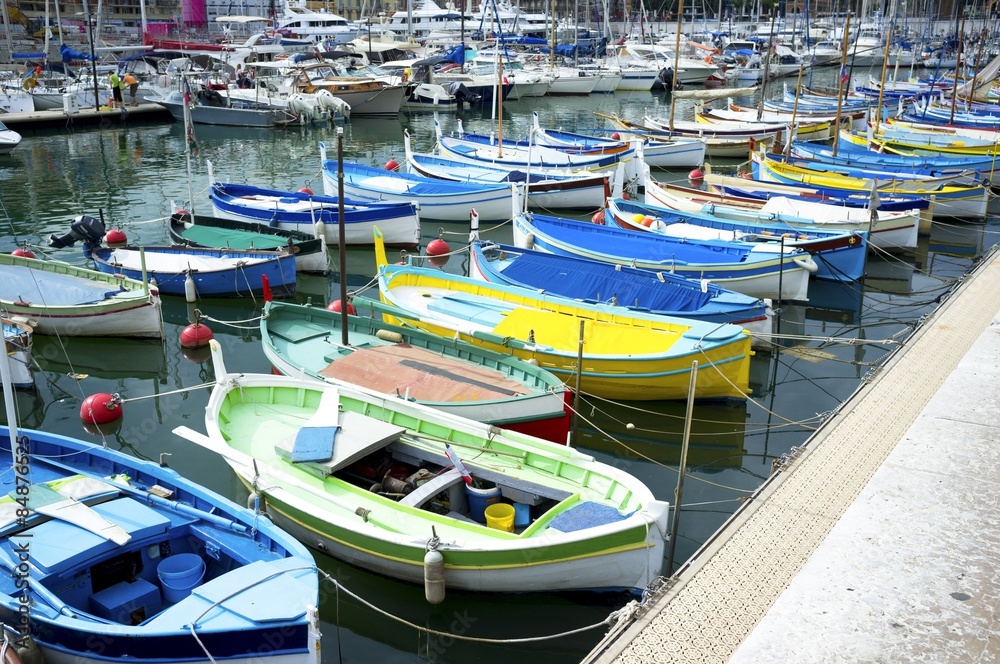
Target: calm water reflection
[{"x": 133, "y": 174}]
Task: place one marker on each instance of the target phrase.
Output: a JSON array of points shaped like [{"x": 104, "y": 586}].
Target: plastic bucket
[
  {"x": 522, "y": 515},
  {"x": 500, "y": 516},
  {"x": 179, "y": 575},
  {"x": 479, "y": 500}
]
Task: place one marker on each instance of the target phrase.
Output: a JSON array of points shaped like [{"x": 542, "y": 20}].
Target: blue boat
[
  {"x": 850, "y": 155},
  {"x": 213, "y": 272},
  {"x": 602, "y": 283},
  {"x": 755, "y": 269},
  {"x": 839, "y": 255},
  {"x": 439, "y": 200},
  {"x": 106, "y": 557},
  {"x": 318, "y": 215}
]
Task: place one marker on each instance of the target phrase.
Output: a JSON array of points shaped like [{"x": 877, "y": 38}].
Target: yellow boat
[
  {"x": 953, "y": 200},
  {"x": 626, "y": 355}
]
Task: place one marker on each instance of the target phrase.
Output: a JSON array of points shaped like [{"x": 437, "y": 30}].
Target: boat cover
[{"x": 38, "y": 287}]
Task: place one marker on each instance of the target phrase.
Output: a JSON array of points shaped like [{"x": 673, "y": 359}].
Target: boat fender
[
  {"x": 390, "y": 336},
  {"x": 434, "y": 588},
  {"x": 529, "y": 241},
  {"x": 256, "y": 502},
  {"x": 190, "y": 291},
  {"x": 807, "y": 263}
]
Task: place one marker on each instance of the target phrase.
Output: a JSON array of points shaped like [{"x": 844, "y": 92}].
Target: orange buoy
[
  {"x": 101, "y": 408},
  {"x": 116, "y": 238},
  {"x": 647, "y": 221},
  {"x": 196, "y": 335},
  {"x": 392, "y": 165},
  {"x": 336, "y": 307}
]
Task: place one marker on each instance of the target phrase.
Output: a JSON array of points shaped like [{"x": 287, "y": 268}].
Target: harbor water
[{"x": 132, "y": 174}]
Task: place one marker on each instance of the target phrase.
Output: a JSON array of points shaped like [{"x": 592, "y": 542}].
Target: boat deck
[{"x": 878, "y": 539}]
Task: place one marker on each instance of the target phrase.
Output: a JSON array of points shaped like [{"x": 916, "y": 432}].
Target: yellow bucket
[{"x": 500, "y": 516}]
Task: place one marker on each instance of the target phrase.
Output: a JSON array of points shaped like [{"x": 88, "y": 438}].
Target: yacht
[
  {"x": 826, "y": 53},
  {"x": 301, "y": 22},
  {"x": 429, "y": 18},
  {"x": 868, "y": 48},
  {"x": 9, "y": 139}
]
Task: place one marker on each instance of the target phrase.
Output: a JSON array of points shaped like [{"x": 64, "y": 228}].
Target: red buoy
[
  {"x": 598, "y": 218},
  {"x": 306, "y": 190},
  {"x": 196, "y": 335},
  {"x": 439, "y": 252},
  {"x": 647, "y": 221},
  {"x": 696, "y": 175},
  {"x": 625, "y": 196},
  {"x": 116, "y": 238},
  {"x": 392, "y": 165},
  {"x": 616, "y": 136},
  {"x": 23, "y": 252},
  {"x": 100, "y": 408},
  {"x": 336, "y": 306}
]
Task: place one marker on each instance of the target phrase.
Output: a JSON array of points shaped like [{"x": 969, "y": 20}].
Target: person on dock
[
  {"x": 133, "y": 87},
  {"x": 116, "y": 91}
]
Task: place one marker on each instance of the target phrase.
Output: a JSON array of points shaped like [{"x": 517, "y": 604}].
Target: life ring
[{"x": 29, "y": 84}]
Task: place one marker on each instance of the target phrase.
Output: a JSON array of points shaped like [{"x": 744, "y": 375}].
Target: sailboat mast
[
  {"x": 840, "y": 83},
  {"x": 677, "y": 57},
  {"x": 767, "y": 67},
  {"x": 885, "y": 63},
  {"x": 958, "y": 60}
]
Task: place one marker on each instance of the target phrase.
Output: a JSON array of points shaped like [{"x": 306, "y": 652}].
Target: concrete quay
[{"x": 878, "y": 540}]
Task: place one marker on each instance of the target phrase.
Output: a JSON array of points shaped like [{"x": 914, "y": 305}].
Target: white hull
[{"x": 355, "y": 233}]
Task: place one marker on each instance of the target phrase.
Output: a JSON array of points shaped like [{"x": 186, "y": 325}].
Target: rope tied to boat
[
  {"x": 461, "y": 637},
  {"x": 238, "y": 324}
]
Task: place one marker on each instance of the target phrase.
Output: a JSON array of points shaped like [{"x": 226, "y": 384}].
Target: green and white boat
[
  {"x": 70, "y": 301},
  {"x": 377, "y": 482}
]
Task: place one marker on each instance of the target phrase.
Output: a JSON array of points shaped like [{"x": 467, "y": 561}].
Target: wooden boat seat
[
  {"x": 469, "y": 308},
  {"x": 428, "y": 490},
  {"x": 332, "y": 440}
]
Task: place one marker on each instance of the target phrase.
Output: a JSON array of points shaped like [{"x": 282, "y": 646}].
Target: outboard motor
[
  {"x": 463, "y": 94},
  {"x": 665, "y": 79},
  {"x": 84, "y": 228}
]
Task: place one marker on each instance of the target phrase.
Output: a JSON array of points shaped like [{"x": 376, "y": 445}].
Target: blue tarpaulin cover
[
  {"x": 586, "y": 515},
  {"x": 69, "y": 54},
  {"x": 582, "y": 280}
]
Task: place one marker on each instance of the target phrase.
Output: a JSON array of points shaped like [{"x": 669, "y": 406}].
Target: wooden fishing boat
[
  {"x": 379, "y": 483},
  {"x": 629, "y": 356},
  {"x": 450, "y": 375},
  {"x": 65, "y": 300},
  {"x": 439, "y": 200},
  {"x": 480, "y": 150},
  {"x": 718, "y": 143},
  {"x": 839, "y": 255},
  {"x": 213, "y": 272},
  {"x": 546, "y": 189},
  {"x": 320, "y": 215},
  {"x": 951, "y": 200},
  {"x": 858, "y": 154},
  {"x": 888, "y": 231},
  {"x": 107, "y": 557},
  {"x": 758, "y": 270},
  {"x": 638, "y": 290},
  {"x": 744, "y": 186},
  {"x": 310, "y": 252},
  {"x": 668, "y": 153}
]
